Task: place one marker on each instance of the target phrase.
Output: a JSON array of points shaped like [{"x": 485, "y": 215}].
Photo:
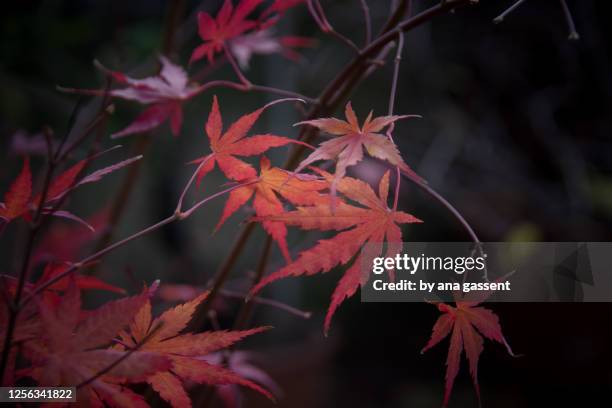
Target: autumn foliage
[{"x": 114, "y": 352}]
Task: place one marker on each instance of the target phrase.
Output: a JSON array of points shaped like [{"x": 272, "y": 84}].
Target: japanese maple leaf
[
  {"x": 71, "y": 352},
  {"x": 271, "y": 183},
  {"x": 19, "y": 202},
  {"x": 372, "y": 222},
  {"x": 234, "y": 143},
  {"x": 465, "y": 323},
  {"x": 229, "y": 23},
  {"x": 165, "y": 94},
  {"x": 264, "y": 42},
  {"x": 349, "y": 141},
  {"x": 185, "y": 351}
]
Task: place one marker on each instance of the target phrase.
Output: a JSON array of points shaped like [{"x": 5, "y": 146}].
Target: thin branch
[
  {"x": 392, "y": 95},
  {"x": 212, "y": 84},
  {"x": 176, "y": 216},
  {"x": 456, "y": 214},
  {"x": 573, "y": 34},
  {"x": 235, "y": 67},
  {"x": 71, "y": 122},
  {"x": 121, "y": 359},
  {"x": 368, "y": 21},
  {"x": 268, "y": 302},
  {"x": 352, "y": 72},
  {"x": 222, "y": 275},
  {"x": 121, "y": 200},
  {"x": 316, "y": 10},
  {"x": 179, "y": 204},
  {"x": 246, "y": 85},
  {"x": 247, "y": 307},
  {"x": 509, "y": 10},
  {"x": 35, "y": 227},
  {"x": 95, "y": 123}
]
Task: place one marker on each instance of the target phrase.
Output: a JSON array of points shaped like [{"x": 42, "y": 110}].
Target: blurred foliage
[{"x": 515, "y": 132}]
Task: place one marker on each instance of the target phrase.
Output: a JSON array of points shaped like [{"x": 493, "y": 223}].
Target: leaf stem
[
  {"x": 251, "y": 87},
  {"x": 268, "y": 302},
  {"x": 235, "y": 67},
  {"x": 179, "y": 204},
  {"x": 509, "y": 10},
  {"x": 573, "y": 34}
]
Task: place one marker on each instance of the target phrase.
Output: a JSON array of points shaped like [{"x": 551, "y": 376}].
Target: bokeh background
[{"x": 516, "y": 133}]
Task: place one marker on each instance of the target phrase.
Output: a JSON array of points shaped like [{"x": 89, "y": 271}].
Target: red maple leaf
[
  {"x": 463, "y": 323},
  {"x": 71, "y": 351},
  {"x": 349, "y": 141},
  {"x": 185, "y": 351},
  {"x": 372, "y": 222},
  {"x": 271, "y": 183},
  {"x": 229, "y": 23},
  {"x": 18, "y": 200},
  {"x": 235, "y": 143}
]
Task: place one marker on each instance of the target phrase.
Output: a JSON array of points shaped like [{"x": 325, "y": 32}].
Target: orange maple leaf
[
  {"x": 235, "y": 143},
  {"x": 350, "y": 140},
  {"x": 373, "y": 222},
  {"x": 69, "y": 351},
  {"x": 464, "y": 322},
  {"x": 229, "y": 23},
  {"x": 272, "y": 182},
  {"x": 185, "y": 351}
]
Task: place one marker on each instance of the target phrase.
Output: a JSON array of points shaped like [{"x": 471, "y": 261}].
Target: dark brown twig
[{"x": 367, "y": 20}]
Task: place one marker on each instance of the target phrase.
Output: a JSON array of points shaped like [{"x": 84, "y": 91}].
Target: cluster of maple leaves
[{"x": 102, "y": 352}]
